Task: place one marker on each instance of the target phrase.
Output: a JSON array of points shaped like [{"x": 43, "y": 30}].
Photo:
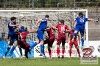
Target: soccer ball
[{"x": 21, "y": 16}]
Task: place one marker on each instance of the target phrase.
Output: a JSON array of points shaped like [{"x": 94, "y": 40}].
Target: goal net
[{"x": 28, "y": 19}]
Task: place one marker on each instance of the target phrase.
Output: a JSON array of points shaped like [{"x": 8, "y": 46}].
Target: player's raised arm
[
  {"x": 92, "y": 20},
  {"x": 37, "y": 23},
  {"x": 73, "y": 22}
]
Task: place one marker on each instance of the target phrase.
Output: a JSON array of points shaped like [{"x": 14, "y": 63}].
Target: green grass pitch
[{"x": 44, "y": 62}]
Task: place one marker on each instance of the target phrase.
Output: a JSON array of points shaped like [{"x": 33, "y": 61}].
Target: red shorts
[
  {"x": 49, "y": 42},
  {"x": 23, "y": 44},
  {"x": 73, "y": 43},
  {"x": 61, "y": 39}
]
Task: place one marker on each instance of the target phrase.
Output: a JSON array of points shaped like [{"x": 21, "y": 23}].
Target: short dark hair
[
  {"x": 22, "y": 27},
  {"x": 46, "y": 16},
  {"x": 80, "y": 14},
  {"x": 61, "y": 21},
  {"x": 12, "y": 18}
]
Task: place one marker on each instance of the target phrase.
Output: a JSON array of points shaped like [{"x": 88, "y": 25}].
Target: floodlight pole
[
  {"x": 32, "y": 4},
  {"x": 29, "y": 4},
  {"x": 65, "y": 3},
  {"x": 74, "y": 4}
]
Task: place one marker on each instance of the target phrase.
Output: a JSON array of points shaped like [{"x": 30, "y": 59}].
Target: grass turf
[{"x": 44, "y": 62}]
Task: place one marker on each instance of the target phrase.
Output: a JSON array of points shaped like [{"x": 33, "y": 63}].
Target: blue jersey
[
  {"x": 43, "y": 24},
  {"x": 11, "y": 29},
  {"x": 81, "y": 21}
]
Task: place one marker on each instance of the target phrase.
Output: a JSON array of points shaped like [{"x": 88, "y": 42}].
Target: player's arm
[
  {"x": 92, "y": 20},
  {"x": 67, "y": 29},
  {"x": 67, "y": 36},
  {"x": 48, "y": 28},
  {"x": 54, "y": 27},
  {"x": 73, "y": 22},
  {"x": 11, "y": 25},
  {"x": 37, "y": 23},
  {"x": 32, "y": 31}
]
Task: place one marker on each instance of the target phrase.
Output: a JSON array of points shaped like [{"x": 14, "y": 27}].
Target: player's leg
[
  {"x": 14, "y": 45},
  {"x": 20, "y": 50},
  {"x": 7, "y": 50},
  {"x": 47, "y": 42},
  {"x": 70, "y": 47},
  {"x": 76, "y": 29},
  {"x": 23, "y": 44},
  {"x": 10, "y": 42},
  {"x": 34, "y": 44},
  {"x": 63, "y": 47},
  {"x": 50, "y": 43},
  {"x": 40, "y": 35},
  {"x": 42, "y": 47},
  {"x": 82, "y": 35},
  {"x": 26, "y": 52},
  {"x": 76, "y": 46},
  {"x": 58, "y": 47}
]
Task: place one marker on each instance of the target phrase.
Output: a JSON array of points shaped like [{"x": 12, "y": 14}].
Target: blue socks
[
  {"x": 12, "y": 49},
  {"x": 33, "y": 45},
  {"x": 82, "y": 41},
  {"x": 42, "y": 49}
]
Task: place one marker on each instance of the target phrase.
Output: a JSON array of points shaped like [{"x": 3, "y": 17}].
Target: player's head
[
  {"x": 47, "y": 17},
  {"x": 13, "y": 19},
  {"x": 62, "y": 21},
  {"x": 22, "y": 29},
  {"x": 81, "y": 14}
]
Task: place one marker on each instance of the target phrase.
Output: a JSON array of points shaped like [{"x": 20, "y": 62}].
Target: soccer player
[
  {"x": 75, "y": 42},
  {"x": 22, "y": 40},
  {"x": 12, "y": 32},
  {"x": 62, "y": 37},
  {"x": 10, "y": 40},
  {"x": 50, "y": 40},
  {"x": 40, "y": 33},
  {"x": 80, "y": 26}
]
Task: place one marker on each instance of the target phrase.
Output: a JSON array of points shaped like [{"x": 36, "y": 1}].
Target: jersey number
[
  {"x": 81, "y": 19},
  {"x": 62, "y": 28}
]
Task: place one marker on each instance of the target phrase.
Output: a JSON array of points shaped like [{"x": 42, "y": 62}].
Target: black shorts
[
  {"x": 49, "y": 42},
  {"x": 12, "y": 38}
]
